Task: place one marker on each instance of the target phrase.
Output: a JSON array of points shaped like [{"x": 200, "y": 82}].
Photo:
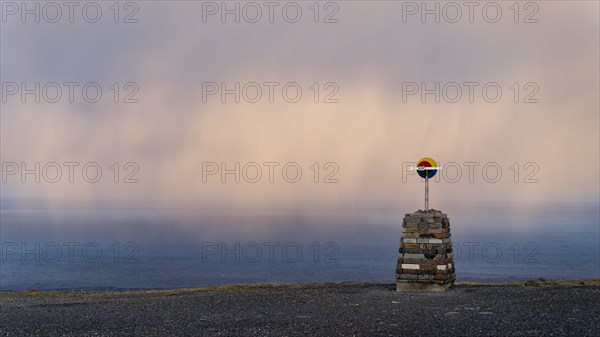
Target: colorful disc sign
[{"x": 426, "y": 162}]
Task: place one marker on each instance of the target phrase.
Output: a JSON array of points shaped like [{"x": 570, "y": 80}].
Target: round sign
[{"x": 426, "y": 162}]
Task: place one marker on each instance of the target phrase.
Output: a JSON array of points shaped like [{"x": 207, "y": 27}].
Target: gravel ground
[{"x": 316, "y": 310}]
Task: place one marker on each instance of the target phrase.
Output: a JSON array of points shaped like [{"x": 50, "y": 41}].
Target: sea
[{"x": 104, "y": 249}]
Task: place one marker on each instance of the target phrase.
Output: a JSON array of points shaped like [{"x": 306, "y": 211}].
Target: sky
[{"x": 367, "y": 126}]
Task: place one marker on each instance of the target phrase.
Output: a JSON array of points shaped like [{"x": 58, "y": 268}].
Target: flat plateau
[{"x": 539, "y": 308}]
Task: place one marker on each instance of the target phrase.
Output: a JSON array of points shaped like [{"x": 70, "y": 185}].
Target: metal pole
[{"x": 426, "y": 193}]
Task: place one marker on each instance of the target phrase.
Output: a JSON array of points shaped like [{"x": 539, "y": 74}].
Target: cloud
[{"x": 369, "y": 134}]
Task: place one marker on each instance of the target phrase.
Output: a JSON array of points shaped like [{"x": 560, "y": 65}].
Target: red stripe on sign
[{"x": 424, "y": 163}]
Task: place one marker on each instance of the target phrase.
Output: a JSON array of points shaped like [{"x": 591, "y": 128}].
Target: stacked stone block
[{"x": 425, "y": 261}]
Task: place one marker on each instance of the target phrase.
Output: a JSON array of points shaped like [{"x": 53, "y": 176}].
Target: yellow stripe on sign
[{"x": 428, "y": 160}]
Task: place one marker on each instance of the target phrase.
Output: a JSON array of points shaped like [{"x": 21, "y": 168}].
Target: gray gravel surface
[{"x": 310, "y": 310}]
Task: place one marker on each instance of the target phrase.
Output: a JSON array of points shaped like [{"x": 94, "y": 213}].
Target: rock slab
[{"x": 425, "y": 260}]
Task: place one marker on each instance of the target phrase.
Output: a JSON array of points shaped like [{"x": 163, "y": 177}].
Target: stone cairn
[{"x": 425, "y": 260}]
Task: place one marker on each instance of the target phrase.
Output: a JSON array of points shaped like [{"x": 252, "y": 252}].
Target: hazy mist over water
[{"x": 147, "y": 249}]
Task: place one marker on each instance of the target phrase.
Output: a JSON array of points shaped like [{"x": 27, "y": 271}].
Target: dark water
[{"x": 127, "y": 250}]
